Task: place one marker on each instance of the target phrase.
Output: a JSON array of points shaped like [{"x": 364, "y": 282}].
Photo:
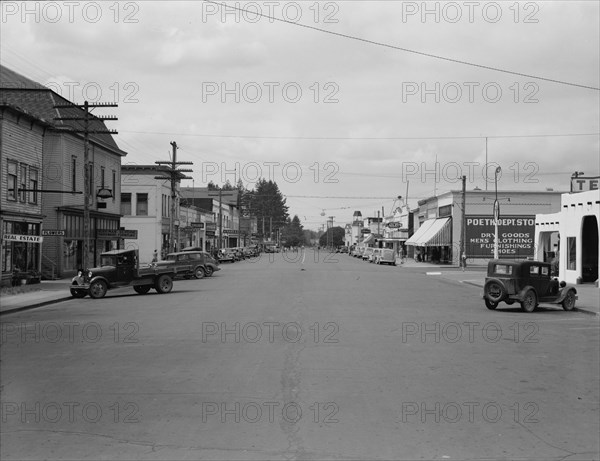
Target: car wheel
[
  {"x": 209, "y": 271},
  {"x": 98, "y": 289},
  {"x": 78, "y": 293},
  {"x": 164, "y": 284},
  {"x": 494, "y": 291},
  {"x": 142, "y": 289},
  {"x": 491, "y": 305},
  {"x": 529, "y": 302},
  {"x": 199, "y": 273},
  {"x": 569, "y": 302}
]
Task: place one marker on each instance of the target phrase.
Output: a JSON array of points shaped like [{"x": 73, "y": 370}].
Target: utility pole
[
  {"x": 220, "y": 195},
  {"x": 463, "y": 221},
  {"x": 86, "y": 164},
  {"x": 174, "y": 175}
]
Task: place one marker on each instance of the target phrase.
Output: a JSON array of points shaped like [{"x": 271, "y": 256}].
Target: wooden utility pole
[
  {"x": 173, "y": 175},
  {"x": 463, "y": 221},
  {"x": 220, "y": 195},
  {"x": 87, "y": 192}
]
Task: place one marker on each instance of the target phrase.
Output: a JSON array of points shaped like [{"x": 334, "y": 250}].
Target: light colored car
[
  {"x": 386, "y": 256},
  {"x": 373, "y": 256},
  {"x": 365, "y": 255}
]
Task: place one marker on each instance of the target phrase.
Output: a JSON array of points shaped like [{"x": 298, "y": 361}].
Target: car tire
[
  {"x": 529, "y": 302},
  {"x": 568, "y": 303},
  {"x": 491, "y": 305},
  {"x": 209, "y": 271},
  {"x": 78, "y": 293},
  {"x": 494, "y": 291},
  {"x": 142, "y": 289},
  {"x": 98, "y": 289},
  {"x": 199, "y": 273},
  {"x": 164, "y": 284}
]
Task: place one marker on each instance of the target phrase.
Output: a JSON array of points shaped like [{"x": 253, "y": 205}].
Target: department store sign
[{"x": 516, "y": 236}]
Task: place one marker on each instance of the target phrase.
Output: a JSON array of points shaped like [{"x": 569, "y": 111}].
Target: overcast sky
[{"x": 364, "y": 110}]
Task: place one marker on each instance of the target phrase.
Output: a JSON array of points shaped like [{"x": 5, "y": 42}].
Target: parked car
[
  {"x": 365, "y": 254},
  {"x": 386, "y": 256},
  {"x": 209, "y": 264},
  {"x": 187, "y": 264},
  {"x": 227, "y": 254},
  {"x": 357, "y": 253},
  {"x": 528, "y": 282},
  {"x": 376, "y": 252}
]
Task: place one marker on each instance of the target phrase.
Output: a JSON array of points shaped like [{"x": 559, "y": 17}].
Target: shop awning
[
  {"x": 433, "y": 232},
  {"x": 370, "y": 238},
  {"x": 391, "y": 239}
]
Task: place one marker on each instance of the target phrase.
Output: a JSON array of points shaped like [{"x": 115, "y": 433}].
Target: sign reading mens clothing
[{"x": 516, "y": 236}]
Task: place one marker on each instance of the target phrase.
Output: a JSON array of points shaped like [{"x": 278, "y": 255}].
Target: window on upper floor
[
  {"x": 33, "y": 185},
  {"x": 126, "y": 204},
  {"x": 12, "y": 180},
  {"x": 141, "y": 205},
  {"x": 23, "y": 183}
]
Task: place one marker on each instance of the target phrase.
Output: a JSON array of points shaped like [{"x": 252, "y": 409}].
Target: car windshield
[
  {"x": 107, "y": 260},
  {"x": 171, "y": 257}
]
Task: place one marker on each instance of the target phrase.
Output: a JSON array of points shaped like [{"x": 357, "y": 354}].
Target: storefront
[
  {"x": 433, "y": 241},
  {"x": 440, "y": 229},
  {"x": 21, "y": 255}
]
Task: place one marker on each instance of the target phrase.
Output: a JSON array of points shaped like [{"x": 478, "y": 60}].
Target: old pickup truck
[{"x": 121, "y": 268}]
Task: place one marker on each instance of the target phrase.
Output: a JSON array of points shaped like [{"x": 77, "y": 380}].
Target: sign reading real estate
[
  {"x": 23, "y": 238},
  {"x": 516, "y": 236}
]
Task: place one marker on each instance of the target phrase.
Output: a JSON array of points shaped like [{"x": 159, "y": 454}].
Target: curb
[{"x": 35, "y": 305}]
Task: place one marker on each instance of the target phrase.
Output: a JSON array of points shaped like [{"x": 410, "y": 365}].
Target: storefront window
[
  {"x": 23, "y": 183},
  {"x": 571, "y": 253},
  {"x": 72, "y": 254}
]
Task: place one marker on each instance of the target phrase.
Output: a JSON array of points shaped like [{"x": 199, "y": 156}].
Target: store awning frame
[{"x": 433, "y": 232}]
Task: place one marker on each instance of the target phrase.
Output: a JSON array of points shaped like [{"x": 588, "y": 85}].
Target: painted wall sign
[{"x": 516, "y": 236}]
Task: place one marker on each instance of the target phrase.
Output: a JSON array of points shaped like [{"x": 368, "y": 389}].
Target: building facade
[
  {"x": 21, "y": 146},
  {"x": 570, "y": 237},
  {"x": 438, "y": 228},
  {"x": 63, "y": 176}
]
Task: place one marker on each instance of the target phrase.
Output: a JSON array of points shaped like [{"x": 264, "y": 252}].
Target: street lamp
[{"x": 496, "y": 212}]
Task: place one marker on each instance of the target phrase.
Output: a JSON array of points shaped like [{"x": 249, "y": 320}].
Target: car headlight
[{"x": 90, "y": 274}]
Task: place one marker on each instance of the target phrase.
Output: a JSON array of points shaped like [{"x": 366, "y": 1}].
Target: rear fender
[{"x": 521, "y": 294}]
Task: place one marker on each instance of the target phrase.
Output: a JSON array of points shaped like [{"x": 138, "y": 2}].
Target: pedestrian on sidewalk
[{"x": 155, "y": 256}]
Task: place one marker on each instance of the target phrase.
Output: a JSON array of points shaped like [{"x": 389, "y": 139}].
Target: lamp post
[{"x": 496, "y": 212}]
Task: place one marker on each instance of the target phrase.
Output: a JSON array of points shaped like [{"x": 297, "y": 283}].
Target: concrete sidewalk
[
  {"x": 588, "y": 294},
  {"x": 30, "y": 296}
]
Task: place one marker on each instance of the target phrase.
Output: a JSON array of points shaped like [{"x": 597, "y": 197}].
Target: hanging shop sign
[{"x": 23, "y": 238}]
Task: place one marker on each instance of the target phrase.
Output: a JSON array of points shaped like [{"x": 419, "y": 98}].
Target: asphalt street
[{"x": 299, "y": 356}]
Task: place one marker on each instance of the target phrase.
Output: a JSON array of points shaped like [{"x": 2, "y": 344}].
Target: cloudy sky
[{"x": 345, "y": 104}]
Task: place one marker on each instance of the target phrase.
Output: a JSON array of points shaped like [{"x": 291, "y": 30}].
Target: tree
[
  {"x": 266, "y": 202},
  {"x": 334, "y": 236},
  {"x": 293, "y": 233}
]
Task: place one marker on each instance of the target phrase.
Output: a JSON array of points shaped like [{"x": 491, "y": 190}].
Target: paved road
[{"x": 326, "y": 358}]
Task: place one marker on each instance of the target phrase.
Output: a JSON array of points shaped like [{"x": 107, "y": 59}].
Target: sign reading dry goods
[{"x": 515, "y": 237}]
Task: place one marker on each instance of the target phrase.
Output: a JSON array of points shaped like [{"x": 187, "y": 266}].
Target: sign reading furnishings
[{"x": 516, "y": 236}]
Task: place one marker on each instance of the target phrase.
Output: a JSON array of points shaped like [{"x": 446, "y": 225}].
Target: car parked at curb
[
  {"x": 526, "y": 282},
  {"x": 386, "y": 256},
  {"x": 189, "y": 264},
  {"x": 375, "y": 253},
  {"x": 365, "y": 254}
]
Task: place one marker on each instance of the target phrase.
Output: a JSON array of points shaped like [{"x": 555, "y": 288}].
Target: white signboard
[{"x": 23, "y": 238}]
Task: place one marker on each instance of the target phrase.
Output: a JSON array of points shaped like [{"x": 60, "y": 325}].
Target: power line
[
  {"x": 406, "y": 50},
  {"x": 348, "y": 138}
]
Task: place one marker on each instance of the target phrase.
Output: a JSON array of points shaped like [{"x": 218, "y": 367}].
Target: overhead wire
[{"x": 406, "y": 50}]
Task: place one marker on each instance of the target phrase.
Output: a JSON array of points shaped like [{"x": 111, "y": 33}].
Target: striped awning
[{"x": 433, "y": 232}]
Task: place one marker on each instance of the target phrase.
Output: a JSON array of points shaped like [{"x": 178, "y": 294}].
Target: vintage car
[
  {"x": 366, "y": 253},
  {"x": 227, "y": 254},
  {"x": 211, "y": 265},
  {"x": 387, "y": 256},
  {"x": 526, "y": 282},
  {"x": 189, "y": 264},
  {"x": 374, "y": 255}
]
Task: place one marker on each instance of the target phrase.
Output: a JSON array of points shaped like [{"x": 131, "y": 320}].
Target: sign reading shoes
[{"x": 23, "y": 238}]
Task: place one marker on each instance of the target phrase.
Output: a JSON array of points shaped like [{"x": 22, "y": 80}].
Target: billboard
[{"x": 516, "y": 236}]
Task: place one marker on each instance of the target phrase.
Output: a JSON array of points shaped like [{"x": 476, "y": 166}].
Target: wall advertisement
[{"x": 516, "y": 236}]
